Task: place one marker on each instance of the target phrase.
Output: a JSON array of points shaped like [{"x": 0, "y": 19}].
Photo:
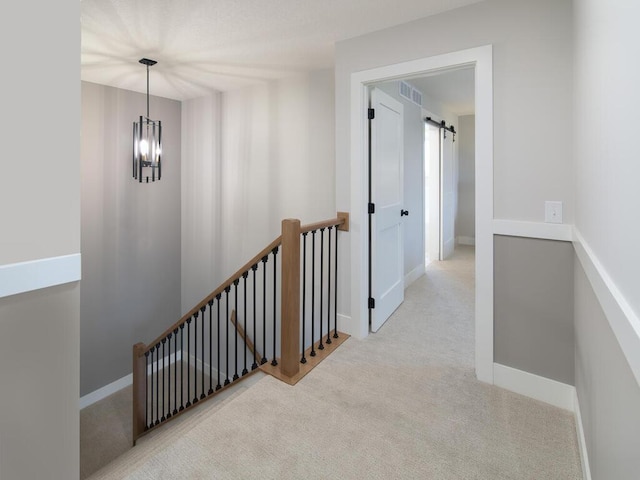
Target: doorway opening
[{"x": 480, "y": 59}]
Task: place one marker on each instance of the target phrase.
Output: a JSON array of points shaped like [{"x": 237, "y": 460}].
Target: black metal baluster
[
  {"x": 264, "y": 310},
  {"x": 274, "y": 362},
  {"x": 163, "y": 418},
  {"x": 181, "y": 367},
  {"x": 328, "y": 341},
  {"x": 320, "y": 345},
  {"x": 218, "y": 386},
  {"x": 226, "y": 380},
  {"x": 195, "y": 358},
  {"x": 157, "y": 384},
  {"x": 188, "y": 404},
  {"x": 175, "y": 371},
  {"x": 169, "y": 376},
  {"x": 202, "y": 309},
  {"x": 254, "y": 365},
  {"x": 304, "y": 293},
  {"x": 244, "y": 312},
  {"x": 146, "y": 390},
  {"x": 335, "y": 302},
  {"x": 235, "y": 349},
  {"x": 153, "y": 349},
  {"x": 313, "y": 293},
  {"x": 210, "y": 348}
]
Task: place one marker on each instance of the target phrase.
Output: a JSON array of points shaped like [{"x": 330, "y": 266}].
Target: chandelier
[{"x": 147, "y": 142}]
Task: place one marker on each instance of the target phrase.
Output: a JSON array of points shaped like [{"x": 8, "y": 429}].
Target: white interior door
[
  {"x": 448, "y": 190},
  {"x": 387, "y": 242}
]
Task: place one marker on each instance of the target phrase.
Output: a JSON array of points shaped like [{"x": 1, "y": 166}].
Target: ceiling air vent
[
  {"x": 416, "y": 96},
  {"x": 405, "y": 90},
  {"x": 410, "y": 93}
]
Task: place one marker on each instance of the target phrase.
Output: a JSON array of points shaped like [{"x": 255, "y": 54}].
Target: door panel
[
  {"x": 387, "y": 242},
  {"x": 449, "y": 192}
]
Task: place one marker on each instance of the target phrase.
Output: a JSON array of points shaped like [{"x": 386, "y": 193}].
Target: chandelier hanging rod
[{"x": 149, "y": 63}]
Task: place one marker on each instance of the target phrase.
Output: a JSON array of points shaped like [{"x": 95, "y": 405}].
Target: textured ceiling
[{"x": 202, "y": 45}]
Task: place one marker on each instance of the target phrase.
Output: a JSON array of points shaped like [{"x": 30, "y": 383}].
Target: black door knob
[{"x": 404, "y": 212}]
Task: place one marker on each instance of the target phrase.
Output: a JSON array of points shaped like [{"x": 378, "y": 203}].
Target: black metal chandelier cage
[{"x": 147, "y": 142}]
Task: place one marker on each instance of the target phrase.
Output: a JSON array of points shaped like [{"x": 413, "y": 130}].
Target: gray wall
[
  {"x": 608, "y": 393},
  {"x": 534, "y": 306},
  {"x": 130, "y": 234},
  {"x": 40, "y": 212},
  {"x": 39, "y": 371},
  {"x": 466, "y": 218}
]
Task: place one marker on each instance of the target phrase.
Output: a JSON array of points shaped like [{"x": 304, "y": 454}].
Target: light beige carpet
[{"x": 403, "y": 403}]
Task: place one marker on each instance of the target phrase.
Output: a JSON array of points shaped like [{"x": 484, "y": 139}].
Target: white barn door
[{"x": 448, "y": 190}]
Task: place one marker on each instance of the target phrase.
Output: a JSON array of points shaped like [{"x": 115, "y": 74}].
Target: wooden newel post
[
  {"x": 290, "y": 299},
  {"x": 139, "y": 393}
]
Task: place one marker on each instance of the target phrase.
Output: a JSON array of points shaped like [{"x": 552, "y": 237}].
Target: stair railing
[{"x": 171, "y": 374}]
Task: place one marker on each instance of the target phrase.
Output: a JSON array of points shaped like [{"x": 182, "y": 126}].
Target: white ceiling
[
  {"x": 454, "y": 89},
  {"x": 202, "y": 45}
]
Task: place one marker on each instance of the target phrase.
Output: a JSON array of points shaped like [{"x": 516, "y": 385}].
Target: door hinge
[
  {"x": 372, "y": 302},
  {"x": 371, "y": 114},
  {"x": 372, "y": 208}
]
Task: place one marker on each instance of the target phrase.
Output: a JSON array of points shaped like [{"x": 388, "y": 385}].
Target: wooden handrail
[
  {"x": 334, "y": 222},
  {"x": 341, "y": 221},
  {"x": 247, "y": 266}
]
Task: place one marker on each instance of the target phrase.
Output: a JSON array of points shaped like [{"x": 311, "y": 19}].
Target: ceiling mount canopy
[{"x": 147, "y": 141}]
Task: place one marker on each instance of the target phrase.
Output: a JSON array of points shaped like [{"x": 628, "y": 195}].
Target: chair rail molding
[{"x": 33, "y": 275}]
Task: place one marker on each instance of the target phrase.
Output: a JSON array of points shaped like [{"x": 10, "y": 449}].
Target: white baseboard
[
  {"x": 346, "y": 325},
  {"x": 113, "y": 387},
  {"x": 462, "y": 240},
  {"x": 534, "y": 386},
  {"x": 200, "y": 366},
  {"x": 582, "y": 443},
  {"x": 25, "y": 277},
  {"x": 413, "y": 275}
]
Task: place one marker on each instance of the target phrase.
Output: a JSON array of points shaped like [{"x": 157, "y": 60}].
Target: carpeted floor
[{"x": 402, "y": 403}]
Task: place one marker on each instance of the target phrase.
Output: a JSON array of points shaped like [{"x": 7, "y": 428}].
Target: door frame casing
[{"x": 482, "y": 59}]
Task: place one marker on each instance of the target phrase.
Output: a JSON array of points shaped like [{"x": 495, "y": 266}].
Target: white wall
[
  {"x": 532, "y": 81},
  {"x": 608, "y": 234},
  {"x": 606, "y": 146},
  {"x": 253, "y": 157},
  {"x": 465, "y": 221},
  {"x": 40, "y": 212},
  {"x": 201, "y": 199}
]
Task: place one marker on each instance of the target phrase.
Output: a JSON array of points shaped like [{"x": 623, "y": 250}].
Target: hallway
[{"x": 402, "y": 403}]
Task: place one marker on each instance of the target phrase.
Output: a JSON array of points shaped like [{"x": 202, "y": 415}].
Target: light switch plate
[{"x": 553, "y": 212}]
